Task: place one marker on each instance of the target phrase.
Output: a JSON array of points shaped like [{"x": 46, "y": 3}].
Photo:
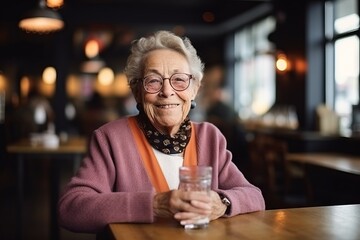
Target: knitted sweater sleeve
[
  {"x": 227, "y": 178},
  {"x": 110, "y": 186}
]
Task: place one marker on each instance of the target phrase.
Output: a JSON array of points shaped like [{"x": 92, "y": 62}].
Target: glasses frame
[{"x": 163, "y": 79}]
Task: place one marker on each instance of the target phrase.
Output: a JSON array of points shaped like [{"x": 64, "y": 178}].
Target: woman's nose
[{"x": 167, "y": 89}]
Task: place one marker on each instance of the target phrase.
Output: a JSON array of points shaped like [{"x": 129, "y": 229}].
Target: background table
[
  {"x": 74, "y": 148},
  {"x": 330, "y": 223},
  {"x": 336, "y": 161},
  {"x": 331, "y": 178}
]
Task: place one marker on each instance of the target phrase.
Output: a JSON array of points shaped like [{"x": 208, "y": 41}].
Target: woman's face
[{"x": 168, "y": 108}]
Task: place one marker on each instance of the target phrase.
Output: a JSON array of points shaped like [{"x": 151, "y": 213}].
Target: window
[
  {"x": 254, "y": 72},
  {"x": 342, "y": 58}
]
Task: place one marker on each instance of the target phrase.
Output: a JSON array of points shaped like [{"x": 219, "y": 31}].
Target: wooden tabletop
[
  {"x": 71, "y": 145},
  {"x": 330, "y": 223},
  {"x": 336, "y": 161}
]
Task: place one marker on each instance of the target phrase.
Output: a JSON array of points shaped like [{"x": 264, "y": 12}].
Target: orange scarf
[{"x": 149, "y": 160}]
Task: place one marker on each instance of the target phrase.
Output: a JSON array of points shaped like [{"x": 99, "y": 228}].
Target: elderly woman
[{"x": 131, "y": 171}]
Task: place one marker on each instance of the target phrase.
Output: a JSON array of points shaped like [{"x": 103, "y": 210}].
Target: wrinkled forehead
[{"x": 165, "y": 61}]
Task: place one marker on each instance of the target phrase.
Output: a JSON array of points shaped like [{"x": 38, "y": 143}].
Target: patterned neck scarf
[{"x": 163, "y": 142}]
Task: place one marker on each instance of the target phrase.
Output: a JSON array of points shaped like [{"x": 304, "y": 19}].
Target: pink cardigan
[{"x": 112, "y": 184}]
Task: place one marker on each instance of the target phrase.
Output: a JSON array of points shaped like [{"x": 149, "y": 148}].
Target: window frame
[{"x": 330, "y": 39}]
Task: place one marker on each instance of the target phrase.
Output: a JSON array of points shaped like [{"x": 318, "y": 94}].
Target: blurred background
[{"x": 280, "y": 77}]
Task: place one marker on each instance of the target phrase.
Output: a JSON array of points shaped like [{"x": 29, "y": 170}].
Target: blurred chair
[{"x": 283, "y": 183}]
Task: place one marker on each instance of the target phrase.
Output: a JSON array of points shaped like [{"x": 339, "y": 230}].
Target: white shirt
[{"x": 170, "y": 164}]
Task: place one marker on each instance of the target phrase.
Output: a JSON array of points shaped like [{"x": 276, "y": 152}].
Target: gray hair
[{"x": 160, "y": 40}]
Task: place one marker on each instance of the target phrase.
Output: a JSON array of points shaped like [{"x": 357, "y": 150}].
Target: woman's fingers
[
  {"x": 201, "y": 204},
  {"x": 195, "y": 196},
  {"x": 192, "y": 204}
]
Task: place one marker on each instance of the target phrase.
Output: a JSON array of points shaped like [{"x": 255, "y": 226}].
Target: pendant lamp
[{"x": 41, "y": 20}]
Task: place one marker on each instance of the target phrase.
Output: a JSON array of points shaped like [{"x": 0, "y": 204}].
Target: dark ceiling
[
  {"x": 135, "y": 13},
  {"x": 124, "y": 19}
]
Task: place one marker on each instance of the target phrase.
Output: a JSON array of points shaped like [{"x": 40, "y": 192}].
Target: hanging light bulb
[
  {"x": 91, "y": 48},
  {"x": 41, "y": 20},
  {"x": 49, "y": 75},
  {"x": 106, "y": 76},
  {"x": 54, "y": 3},
  {"x": 282, "y": 63}
]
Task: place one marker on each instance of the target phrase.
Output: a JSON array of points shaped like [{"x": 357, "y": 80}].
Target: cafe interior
[{"x": 281, "y": 82}]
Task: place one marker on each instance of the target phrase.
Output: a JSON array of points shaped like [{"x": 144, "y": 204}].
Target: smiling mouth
[{"x": 165, "y": 106}]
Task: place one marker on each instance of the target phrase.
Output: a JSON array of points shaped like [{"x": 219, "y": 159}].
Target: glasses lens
[
  {"x": 152, "y": 83},
  {"x": 180, "y": 81}
]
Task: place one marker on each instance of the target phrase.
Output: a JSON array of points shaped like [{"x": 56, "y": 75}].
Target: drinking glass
[{"x": 196, "y": 178}]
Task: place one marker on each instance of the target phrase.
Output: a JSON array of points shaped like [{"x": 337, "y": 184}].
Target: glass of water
[{"x": 196, "y": 178}]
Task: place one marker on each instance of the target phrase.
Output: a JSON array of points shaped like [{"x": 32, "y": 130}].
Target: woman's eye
[
  {"x": 179, "y": 80},
  {"x": 154, "y": 81}
]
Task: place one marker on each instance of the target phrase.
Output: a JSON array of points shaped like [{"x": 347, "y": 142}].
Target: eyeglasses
[{"x": 178, "y": 81}]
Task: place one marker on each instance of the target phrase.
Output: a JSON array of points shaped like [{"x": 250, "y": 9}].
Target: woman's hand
[
  {"x": 185, "y": 206},
  {"x": 218, "y": 208}
]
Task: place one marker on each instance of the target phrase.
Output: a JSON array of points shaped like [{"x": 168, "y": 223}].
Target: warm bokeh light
[
  {"x": 41, "y": 24},
  {"x": 2, "y": 82},
  {"x": 300, "y": 66},
  {"x": 103, "y": 90},
  {"x": 49, "y": 75},
  {"x": 121, "y": 86},
  {"x": 46, "y": 89},
  {"x": 54, "y": 3},
  {"x": 92, "y": 48},
  {"x": 282, "y": 63},
  {"x": 106, "y": 76},
  {"x": 25, "y": 85},
  {"x": 73, "y": 86}
]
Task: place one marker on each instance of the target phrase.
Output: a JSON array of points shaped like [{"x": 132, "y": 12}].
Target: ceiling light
[
  {"x": 91, "y": 48},
  {"x": 106, "y": 76},
  {"x": 49, "y": 75},
  {"x": 41, "y": 20},
  {"x": 54, "y": 3}
]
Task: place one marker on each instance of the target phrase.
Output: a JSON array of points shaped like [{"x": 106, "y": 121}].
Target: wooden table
[
  {"x": 330, "y": 223},
  {"x": 74, "y": 148},
  {"x": 329, "y": 178},
  {"x": 335, "y": 161}
]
